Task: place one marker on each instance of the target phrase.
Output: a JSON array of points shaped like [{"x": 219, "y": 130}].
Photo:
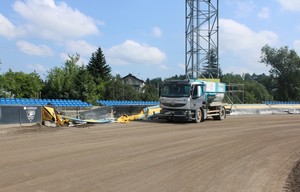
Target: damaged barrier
[{"x": 111, "y": 112}]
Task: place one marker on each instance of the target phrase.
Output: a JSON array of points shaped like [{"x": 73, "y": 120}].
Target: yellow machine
[
  {"x": 146, "y": 113},
  {"x": 52, "y": 115}
]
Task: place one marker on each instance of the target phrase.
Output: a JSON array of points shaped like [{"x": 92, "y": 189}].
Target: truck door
[
  {"x": 198, "y": 96},
  {"x": 195, "y": 97}
]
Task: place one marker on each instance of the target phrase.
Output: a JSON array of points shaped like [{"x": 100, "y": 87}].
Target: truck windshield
[{"x": 175, "y": 90}]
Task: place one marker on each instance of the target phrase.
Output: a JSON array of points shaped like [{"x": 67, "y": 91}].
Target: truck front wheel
[{"x": 198, "y": 116}]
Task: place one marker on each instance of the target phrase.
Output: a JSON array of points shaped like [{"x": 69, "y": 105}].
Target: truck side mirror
[{"x": 159, "y": 91}]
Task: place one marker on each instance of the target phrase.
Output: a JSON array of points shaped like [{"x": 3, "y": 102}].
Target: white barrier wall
[{"x": 248, "y": 109}]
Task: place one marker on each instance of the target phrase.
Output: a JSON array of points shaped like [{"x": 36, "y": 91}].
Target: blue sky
[{"x": 145, "y": 38}]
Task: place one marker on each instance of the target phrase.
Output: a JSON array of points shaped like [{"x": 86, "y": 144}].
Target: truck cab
[{"x": 188, "y": 100}]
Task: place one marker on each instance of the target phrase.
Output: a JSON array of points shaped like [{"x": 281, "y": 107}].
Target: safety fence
[{"x": 11, "y": 114}]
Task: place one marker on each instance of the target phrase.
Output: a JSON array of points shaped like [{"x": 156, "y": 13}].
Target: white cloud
[
  {"x": 245, "y": 8},
  {"x": 297, "y": 46},
  {"x": 181, "y": 66},
  {"x": 54, "y": 21},
  {"x": 31, "y": 49},
  {"x": 264, "y": 13},
  {"x": 131, "y": 52},
  {"x": 236, "y": 36},
  {"x": 156, "y": 32},
  {"x": 290, "y": 5},
  {"x": 7, "y": 29},
  {"x": 163, "y": 67},
  {"x": 65, "y": 56},
  {"x": 37, "y": 67},
  {"x": 243, "y": 45},
  {"x": 81, "y": 47}
]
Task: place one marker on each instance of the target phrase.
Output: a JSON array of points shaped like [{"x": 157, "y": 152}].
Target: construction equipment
[
  {"x": 192, "y": 100},
  {"x": 50, "y": 114}
]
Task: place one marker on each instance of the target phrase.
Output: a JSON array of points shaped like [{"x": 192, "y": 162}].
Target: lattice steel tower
[{"x": 202, "y": 39}]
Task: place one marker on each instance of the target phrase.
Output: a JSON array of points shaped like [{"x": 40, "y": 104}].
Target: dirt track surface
[{"x": 251, "y": 153}]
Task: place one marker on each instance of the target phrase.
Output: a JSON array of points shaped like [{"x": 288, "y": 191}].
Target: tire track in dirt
[{"x": 246, "y": 153}]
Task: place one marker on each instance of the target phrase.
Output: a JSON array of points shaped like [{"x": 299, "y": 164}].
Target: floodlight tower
[{"x": 202, "y": 39}]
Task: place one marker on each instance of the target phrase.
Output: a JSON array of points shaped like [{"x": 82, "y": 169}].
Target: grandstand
[
  {"x": 38, "y": 102},
  {"x": 281, "y": 102},
  {"x": 73, "y": 102},
  {"x": 126, "y": 103},
  {"x": 80, "y": 103}
]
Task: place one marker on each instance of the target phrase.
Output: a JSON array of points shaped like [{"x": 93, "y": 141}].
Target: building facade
[{"x": 135, "y": 82}]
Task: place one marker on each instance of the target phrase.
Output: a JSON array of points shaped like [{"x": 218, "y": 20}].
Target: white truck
[{"x": 192, "y": 100}]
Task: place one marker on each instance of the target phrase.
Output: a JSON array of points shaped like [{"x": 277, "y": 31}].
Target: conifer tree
[{"x": 98, "y": 67}]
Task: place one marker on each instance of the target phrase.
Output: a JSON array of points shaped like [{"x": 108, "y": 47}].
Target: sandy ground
[{"x": 250, "y": 153}]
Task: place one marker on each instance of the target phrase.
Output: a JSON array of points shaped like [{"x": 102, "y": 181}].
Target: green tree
[
  {"x": 21, "y": 85},
  {"x": 256, "y": 92},
  {"x": 234, "y": 87},
  {"x": 284, "y": 71},
  {"x": 98, "y": 67},
  {"x": 245, "y": 88},
  {"x": 211, "y": 68},
  {"x": 86, "y": 89},
  {"x": 176, "y": 77},
  {"x": 54, "y": 84},
  {"x": 156, "y": 81},
  {"x": 71, "y": 71},
  {"x": 265, "y": 80},
  {"x": 130, "y": 93},
  {"x": 151, "y": 89},
  {"x": 232, "y": 78},
  {"x": 150, "y": 93},
  {"x": 60, "y": 81},
  {"x": 116, "y": 90}
]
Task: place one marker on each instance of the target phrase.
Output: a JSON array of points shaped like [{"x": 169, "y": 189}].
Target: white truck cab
[{"x": 192, "y": 100}]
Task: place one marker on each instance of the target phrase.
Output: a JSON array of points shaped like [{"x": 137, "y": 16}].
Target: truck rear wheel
[
  {"x": 198, "y": 116},
  {"x": 222, "y": 114}
]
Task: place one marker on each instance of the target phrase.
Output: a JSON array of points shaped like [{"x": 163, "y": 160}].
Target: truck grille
[{"x": 174, "y": 104}]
